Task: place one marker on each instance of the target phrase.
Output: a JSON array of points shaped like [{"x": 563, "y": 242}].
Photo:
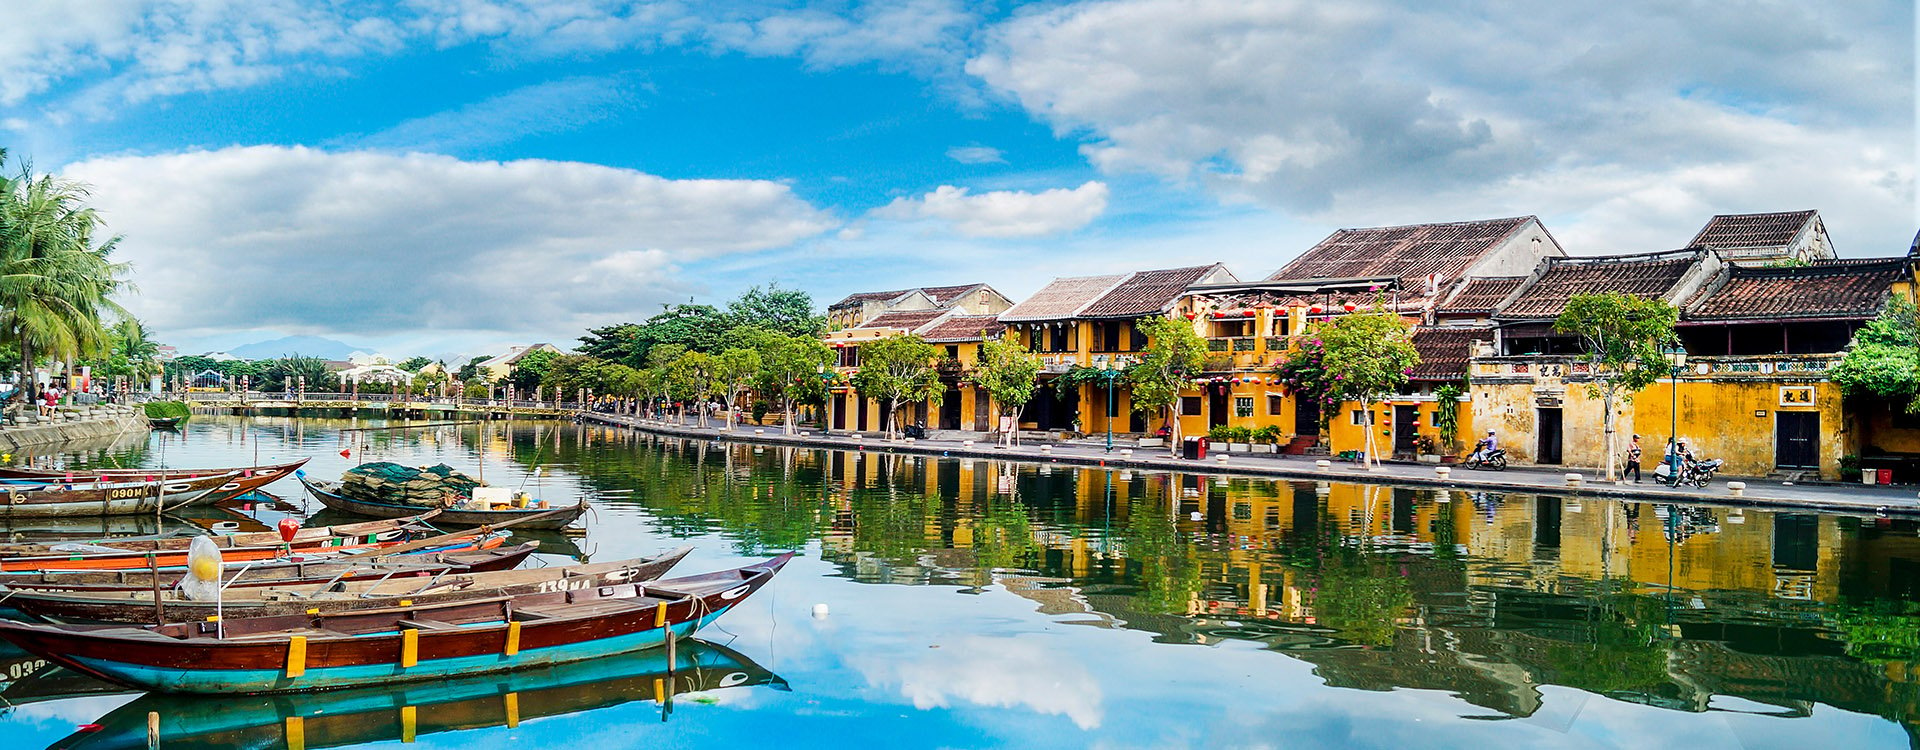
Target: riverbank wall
[
  {"x": 1873, "y": 501},
  {"x": 73, "y": 423}
]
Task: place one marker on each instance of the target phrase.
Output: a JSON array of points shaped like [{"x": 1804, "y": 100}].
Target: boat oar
[{"x": 444, "y": 538}]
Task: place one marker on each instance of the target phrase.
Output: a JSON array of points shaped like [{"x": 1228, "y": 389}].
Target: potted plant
[
  {"x": 1446, "y": 416},
  {"x": 1267, "y": 439},
  {"x": 1424, "y": 445}
]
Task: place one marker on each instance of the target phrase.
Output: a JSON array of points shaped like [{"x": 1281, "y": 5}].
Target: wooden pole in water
[{"x": 153, "y": 730}]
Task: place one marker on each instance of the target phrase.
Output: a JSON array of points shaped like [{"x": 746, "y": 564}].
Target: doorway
[
  {"x": 1796, "y": 439},
  {"x": 1406, "y": 427},
  {"x": 840, "y": 411},
  {"x": 1306, "y": 416},
  {"x": 1548, "y": 450},
  {"x": 1216, "y": 406},
  {"x": 950, "y": 409}
]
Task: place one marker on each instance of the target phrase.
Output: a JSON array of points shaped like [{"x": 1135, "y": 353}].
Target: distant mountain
[{"x": 306, "y": 346}]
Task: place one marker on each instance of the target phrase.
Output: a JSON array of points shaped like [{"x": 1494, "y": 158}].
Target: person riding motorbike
[{"x": 1486, "y": 447}]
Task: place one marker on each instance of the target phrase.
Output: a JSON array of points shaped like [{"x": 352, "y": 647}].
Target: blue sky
[{"x": 452, "y": 176}]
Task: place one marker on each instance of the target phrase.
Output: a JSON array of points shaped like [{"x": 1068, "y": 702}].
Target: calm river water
[{"x": 991, "y": 604}]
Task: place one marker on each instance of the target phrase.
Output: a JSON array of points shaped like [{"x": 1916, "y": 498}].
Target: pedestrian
[{"x": 1633, "y": 460}]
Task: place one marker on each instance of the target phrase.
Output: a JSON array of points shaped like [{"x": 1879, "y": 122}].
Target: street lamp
[
  {"x": 1677, "y": 363},
  {"x": 1108, "y": 373},
  {"x": 826, "y": 388}
]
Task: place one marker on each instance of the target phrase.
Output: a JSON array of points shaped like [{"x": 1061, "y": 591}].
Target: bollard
[
  {"x": 1221, "y": 458},
  {"x": 909, "y": 440},
  {"x": 1443, "y": 471},
  {"x": 1573, "y": 480},
  {"x": 966, "y": 443},
  {"x": 1737, "y": 489},
  {"x": 1323, "y": 464},
  {"x": 1126, "y": 452},
  {"x": 759, "y": 431},
  {"x": 1046, "y": 449}
]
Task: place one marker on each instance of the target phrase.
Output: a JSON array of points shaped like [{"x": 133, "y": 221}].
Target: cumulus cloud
[
  {"x": 1003, "y": 213},
  {"x": 976, "y": 155},
  {"x": 361, "y": 242},
  {"x": 1377, "y": 110},
  {"x": 994, "y": 672}
]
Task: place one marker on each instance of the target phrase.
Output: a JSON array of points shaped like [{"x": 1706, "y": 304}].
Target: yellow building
[
  {"x": 970, "y": 299},
  {"x": 955, "y": 331}
]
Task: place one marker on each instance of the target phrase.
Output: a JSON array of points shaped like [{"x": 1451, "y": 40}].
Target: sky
[{"x": 451, "y": 177}]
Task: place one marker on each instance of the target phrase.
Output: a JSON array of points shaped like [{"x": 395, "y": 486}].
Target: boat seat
[
  {"x": 427, "y": 625},
  {"x": 602, "y": 607}
]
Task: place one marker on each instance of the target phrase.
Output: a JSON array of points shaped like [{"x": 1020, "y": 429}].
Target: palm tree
[
  {"x": 57, "y": 276},
  {"x": 131, "y": 342}
]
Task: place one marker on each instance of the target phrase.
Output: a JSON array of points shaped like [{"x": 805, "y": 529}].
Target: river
[{"x": 993, "y": 604}]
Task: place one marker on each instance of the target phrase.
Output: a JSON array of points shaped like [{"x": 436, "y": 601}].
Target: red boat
[
  {"x": 249, "y": 478},
  {"x": 293, "y": 653}
]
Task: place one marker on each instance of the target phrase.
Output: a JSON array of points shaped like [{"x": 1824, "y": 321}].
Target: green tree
[
  {"x": 57, "y": 276},
  {"x": 733, "y": 374},
  {"x": 471, "y": 372},
  {"x": 414, "y": 364},
  {"x": 898, "y": 370},
  {"x": 790, "y": 368},
  {"x": 280, "y": 374},
  {"x": 691, "y": 377},
  {"x": 531, "y": 368},
  {"x": 1884, "y": 359},
  {"x": 1368, "y": 357},
  {"x": 614, "y": 343},
  {"x": 787, "y": 311},
  {"x": 1624, "y": 334},
  {"x": 1009, "y": 374},
  {"x": 1174, "y": 355}
]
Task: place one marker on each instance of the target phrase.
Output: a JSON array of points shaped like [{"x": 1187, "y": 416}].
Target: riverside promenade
[{"x": 1824, "y": 497}]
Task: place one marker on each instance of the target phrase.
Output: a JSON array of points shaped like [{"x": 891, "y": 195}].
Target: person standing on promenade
[{"x": 1633, "y": 460}]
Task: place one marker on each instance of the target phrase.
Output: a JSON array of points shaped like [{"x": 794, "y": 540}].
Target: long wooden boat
[
  {"x": 165, "y": 423},
  {"x": 318, "y": 550},
  {"x": 249, "y": 478},
  {"x": 368, "y": 592},
  {"x": 402, "y": 713},
  {"x": 328, "y": 494},
  {"x": 306, "y": 537},
  {"x": 294, "y": 653},
  {"x": 105, "y": 498},
  {"x": 293, "y": 573}
]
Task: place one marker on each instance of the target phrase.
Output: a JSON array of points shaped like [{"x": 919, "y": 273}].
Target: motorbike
[
  {"x": 1697, "y": 473},
  {"x": 1495, "y": 459}
]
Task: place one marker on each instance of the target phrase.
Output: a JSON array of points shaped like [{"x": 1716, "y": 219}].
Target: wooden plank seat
[{"x": 428, "y": 625}]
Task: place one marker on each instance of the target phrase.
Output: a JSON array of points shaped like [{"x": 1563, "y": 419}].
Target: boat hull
[
  {"x": 116, "y": 498},
  {"x": 249, "y": 478},
  {"x": 280, "y": 574},
  {"x": 448, "y": 516}
]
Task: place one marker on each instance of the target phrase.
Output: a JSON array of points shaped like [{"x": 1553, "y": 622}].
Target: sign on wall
[{"x": 1796, "y": 396}]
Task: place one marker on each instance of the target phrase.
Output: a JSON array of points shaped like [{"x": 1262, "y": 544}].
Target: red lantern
[
  {"x": 1315, "y": 309},
  {"x": 1348, "y": 306},
  {"x": 288, "y": 528},
  {"x": 1191, "y": 316},
  {"x": 1246, "y": 313},
  {"x": 1219, "y": 315}
]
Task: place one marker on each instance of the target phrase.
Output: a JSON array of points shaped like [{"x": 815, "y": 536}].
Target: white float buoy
[{"x": 820, "y": 611}]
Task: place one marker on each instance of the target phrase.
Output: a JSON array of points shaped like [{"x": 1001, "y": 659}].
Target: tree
[
  {"x": 1623, "y": 334},
  {"x": 898, "y": 370},
  {"x": 1174, "y": 355},
  {"x": 1303, "y": 370},
  {"x": 1884, "y": 358},
  {"x": 1009, "y": 374},
  {"x": 733, "y": 374},
  {"x": 531, "y": 367},
  {"x": 414, "y": 364},
  {"x": 471, "y": 372},
  {"x": 286, "y": 372},
  {"x": 690, "y": 377},
  {"x": 788, "y": 311},
  {"x": 57, "y": 276},
  {"x": 790, "y": 368},
  {"x": 1368, "y": 357}
]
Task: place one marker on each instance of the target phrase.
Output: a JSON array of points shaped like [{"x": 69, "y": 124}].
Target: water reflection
[{"x": 1507, "y": 602}]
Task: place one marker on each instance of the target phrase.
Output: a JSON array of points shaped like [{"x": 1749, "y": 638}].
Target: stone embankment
[
  {"x": 1878, "y": 501},
  {"x": 72, "y": 423}
]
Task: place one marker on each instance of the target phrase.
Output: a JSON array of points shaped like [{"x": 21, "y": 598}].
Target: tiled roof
[
  {"x": 1145, "y": 292},
  {"x": 905, "y": 320},
  {"x": 1408, "y": 253},
  {"x": 942, "y": 295},
  {"x": 1853, "y": 288},
  {"x": 1481, "y": 296},
  {"x": 1062, "y": 298},
  {"x": 859, "y": 298},
  {"x": 1444, "y": 351},
  {"x": 958, "y": 328},
  {"x": 1649, "y": 275},
  {"x": 1737, "y": 231}
]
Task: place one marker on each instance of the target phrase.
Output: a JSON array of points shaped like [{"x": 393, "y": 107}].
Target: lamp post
[
  {"x": 826, "y": 389},
  {"x": 1108, "y": 374},
  {"x": 1677, "y": 363}
]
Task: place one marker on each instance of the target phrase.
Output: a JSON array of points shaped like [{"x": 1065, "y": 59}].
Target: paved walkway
[{"x": 1884, "y": 501}]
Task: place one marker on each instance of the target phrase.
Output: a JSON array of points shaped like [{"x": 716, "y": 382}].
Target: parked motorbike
[
  {"x": 1696, "y": 473},
  {"x": 1495, "y": 459}
]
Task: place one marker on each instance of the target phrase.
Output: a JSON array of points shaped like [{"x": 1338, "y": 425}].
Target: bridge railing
[{"x": 440, "y": 401}]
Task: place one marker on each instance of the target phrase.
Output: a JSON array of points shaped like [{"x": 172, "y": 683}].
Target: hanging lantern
[
  {"x": 1246, "y": 313},
  {"x": 1191, "y": 316},
  {"x": 1348, "y": 306},
  {"x": 1315, "y": 309}
]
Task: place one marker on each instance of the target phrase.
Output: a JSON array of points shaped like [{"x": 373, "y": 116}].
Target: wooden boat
[
  {"x": 105, "y": 498},
  {"x": 324, "y": 570},
  {"x": 402, "y": 713},
  {"x": 135, "y": 559},
  {"x": 306, "y": 537},
  {"x": 250, "y": 477},
  {"x": 165, "y": 423},
  {"x": 328, "y": 494},
  {"x": 366, "y": 592},
  {"x": 294, "y": 653}
]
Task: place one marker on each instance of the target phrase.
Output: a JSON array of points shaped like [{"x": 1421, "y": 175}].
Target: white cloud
[
  {"x": 312, "y": 241},
  {"x": 1649, "y": 114},
  {"x": 994, "y": 672},
  {"x": 1004, "y": 213},
  {"x": 976, "y": 155},
  {"x": 543, "y": 108}
]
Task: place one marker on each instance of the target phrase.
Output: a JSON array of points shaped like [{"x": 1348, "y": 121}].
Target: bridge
[{"x": 398, "y": 406}]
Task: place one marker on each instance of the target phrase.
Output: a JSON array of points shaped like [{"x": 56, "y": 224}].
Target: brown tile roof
[
  {"x": 959, "y": 328},
  {"x": 1737, "y": 231},
  {"x": 1647, "y": 275},
  {"x": 859, "y": 298},
  {"x": 1146, "y": 292},
  {"x": 1481, "y": 295},
  {"x": 905, "y": 320},
  {"x": 943, "y": 295},
  {"x": 1408, "y": 253},
  {"x": 1444, "y": 351},
  {"x": 1853, "y": 289},
  {"x": 1062, "y": 298}
]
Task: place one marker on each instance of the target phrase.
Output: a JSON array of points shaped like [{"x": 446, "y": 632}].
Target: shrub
[
  {"x": 167, "y": 410},
  {"x": 1220, "y": 433},
  {"x": 1269, "y": 434}
]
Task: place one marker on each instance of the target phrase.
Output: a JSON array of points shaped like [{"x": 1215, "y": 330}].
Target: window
[
  {"x": 1138, "y": 340},
  {"x": 1190, "y": 405},
  {"x": 1358, "y": 417},
  {"x": 953, "y": 352},
  {"x": 1279, "y": 325},
  {"x": 1243, "y": 406},
  {"x": 1274, "y": 403}
]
